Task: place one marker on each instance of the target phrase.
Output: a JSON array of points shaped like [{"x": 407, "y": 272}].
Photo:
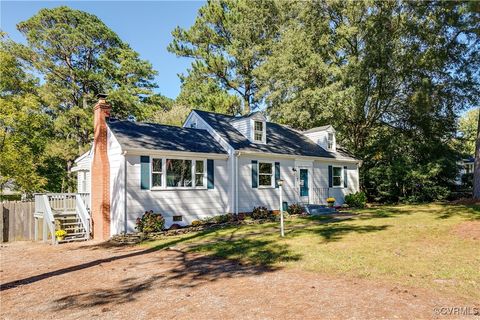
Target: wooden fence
[{"x": 17, "y": 222}]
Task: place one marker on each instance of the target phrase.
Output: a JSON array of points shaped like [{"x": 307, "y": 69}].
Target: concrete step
[{"x": 318, "y": 209}]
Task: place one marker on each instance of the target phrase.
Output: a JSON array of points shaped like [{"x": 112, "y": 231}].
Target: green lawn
[{"x": 416, "y": 245}]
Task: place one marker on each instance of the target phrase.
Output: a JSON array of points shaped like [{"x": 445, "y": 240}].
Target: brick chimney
[{"x": 100, "y": 200}]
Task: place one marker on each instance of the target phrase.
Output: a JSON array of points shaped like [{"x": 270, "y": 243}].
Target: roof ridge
[{"x": 153, "y": 124}]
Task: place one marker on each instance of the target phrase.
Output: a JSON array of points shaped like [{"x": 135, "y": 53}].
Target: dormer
[
  {"x": 253, "y": 127},
  {"x": 323, "y": 136}
]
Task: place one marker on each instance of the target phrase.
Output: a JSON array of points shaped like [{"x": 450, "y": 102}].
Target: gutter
[{"x": 124, "y": 153}]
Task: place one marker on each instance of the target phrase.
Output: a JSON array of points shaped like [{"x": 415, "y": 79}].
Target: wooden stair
[{"x": 71, "y": 223}]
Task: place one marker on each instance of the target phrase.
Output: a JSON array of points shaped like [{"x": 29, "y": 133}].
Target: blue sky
[{"x": 145, "y": 25}]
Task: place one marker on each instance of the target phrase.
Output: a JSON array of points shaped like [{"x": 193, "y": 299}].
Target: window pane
[
  {"x": 179, "y": 173},
  {"x": 265, "y": 180},
  {"x": 199, "y": 166},
  {"x": 337, "y": 171},
  {"x": 258, "y": 136},
  {"x": 157, "y": 165},
  {"x": 258, "y": 126},
  {"x": 157, "y": 179},
  {"x": 337, "y": 181},
  {"x": 265, "y": 167},
  {"x": 199, "y": 179}
]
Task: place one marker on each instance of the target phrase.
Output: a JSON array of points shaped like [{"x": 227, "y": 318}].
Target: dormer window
[
  {"x": 258, "y": 132},
  {"x": 330, "y": 141}
]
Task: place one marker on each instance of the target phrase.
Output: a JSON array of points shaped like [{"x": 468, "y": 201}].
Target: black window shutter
[
  {"x": 210, "y": 174},
  {"x": 330, "y": 176},
  {"x": 254, "y": 173},
  {"x": 144, "y": 172},
  {"x": 277, "y": 173},
  {"x": 345, "y": 176}
]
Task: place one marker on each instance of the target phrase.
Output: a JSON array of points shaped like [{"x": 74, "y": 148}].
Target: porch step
[{"x": 318, "y": 209}]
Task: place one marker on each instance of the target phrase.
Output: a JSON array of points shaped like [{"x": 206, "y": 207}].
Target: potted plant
[
  {"x": 60, "y": 234},
  {"x": 330, "y": 202}
]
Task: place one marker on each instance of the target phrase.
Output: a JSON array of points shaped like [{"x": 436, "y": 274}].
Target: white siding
[
  {"x": 201, "y": 124},
  {"x": 320, "y": 179},
  {"x": 243, "y": 125},
  {"x": 249, "y": 197},
  {"x": 191, "y": 204},
  {"x": 83, "y": 178},
  {"x": 117, "y": 183},
  {"x": 321, "y": 137}
]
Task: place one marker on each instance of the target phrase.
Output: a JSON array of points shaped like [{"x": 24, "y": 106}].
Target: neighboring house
[
  {"x": 214, "y": 164},
  {"x": 466, "y": 168}
]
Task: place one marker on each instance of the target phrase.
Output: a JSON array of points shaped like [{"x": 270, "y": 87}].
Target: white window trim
[
  {"x": 272, "y": 186},
  {"x": 330, "y": 143},
  {"x": 164, "y": 186},
  {"x": 152, "y": 172},
  {"x": 264, "y": 131},
  {"x": 341, "y": 177}
]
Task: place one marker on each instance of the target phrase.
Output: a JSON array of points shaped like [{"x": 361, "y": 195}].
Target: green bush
[
  {"x": 356, "y": 200},
  {"x": 295, "y": 208},
  {"x": 150, "y": 222},
  {"x": 260, "y": 213},
  {"x": 223, "y": 218}
]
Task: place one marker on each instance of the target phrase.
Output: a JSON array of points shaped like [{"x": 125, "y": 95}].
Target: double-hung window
[
  {"x": 337, "y": 176},
  {"x": 199, "y": 173},
  {"x": 258, "y": 131},
  {"x": 330, "y": 141},
  {"x": 157, "y": 172},
  {"x": 265, "y": 174}
]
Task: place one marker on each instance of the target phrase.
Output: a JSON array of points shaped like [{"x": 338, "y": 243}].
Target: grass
[{"x": 414, "y": 245}]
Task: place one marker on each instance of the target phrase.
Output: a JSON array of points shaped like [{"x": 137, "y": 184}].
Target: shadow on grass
[
  {"x": 470, "y": 212},
  {"x": 334, "y": 230}
]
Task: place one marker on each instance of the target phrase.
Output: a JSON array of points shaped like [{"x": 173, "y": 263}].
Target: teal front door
[{"x": 304, "y": 182}]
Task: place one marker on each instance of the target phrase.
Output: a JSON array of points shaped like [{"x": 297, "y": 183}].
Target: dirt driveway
[{"x": 85, "y": 280}]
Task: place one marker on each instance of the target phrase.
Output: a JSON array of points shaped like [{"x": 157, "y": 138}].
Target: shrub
[
  {"x": 295, "y": 208},
  {"x": 356, "y": 200},
  {"x": 150, "y": 222},
  {"x": 222, "y": 218},
  {"x": 196, "y": 223},
  {"x": 260, "y": 213},
  {"x": 175, "y": 226}
]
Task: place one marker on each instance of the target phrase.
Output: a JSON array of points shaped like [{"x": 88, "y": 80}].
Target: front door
[{"x": 304, "y": 185}]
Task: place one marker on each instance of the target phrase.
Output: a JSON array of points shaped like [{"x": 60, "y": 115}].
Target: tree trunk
[{"x": 476, "y": 172}]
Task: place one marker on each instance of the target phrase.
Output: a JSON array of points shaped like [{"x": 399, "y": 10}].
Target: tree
[
  {"x": 228, "y": 40},
  {"x": 476, "y": 172},
  {"x": 78, "y": 56},
  {"x": 468, "y": 131},
  {"x": 204, "y": 93},
  {"x": 378, "y": 72},
  {"x": 24, "y": 128}
]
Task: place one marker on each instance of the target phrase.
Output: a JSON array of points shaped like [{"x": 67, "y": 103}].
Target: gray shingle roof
[
  {"x": 136, "y": 135},
  {"x": 280, "y": 139}
]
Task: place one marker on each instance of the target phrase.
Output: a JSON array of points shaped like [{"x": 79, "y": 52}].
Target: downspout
[
  {"x": 236, "y": 155},
  {"x": 124, "y": 153}
]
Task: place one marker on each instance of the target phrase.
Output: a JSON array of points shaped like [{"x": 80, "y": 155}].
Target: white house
[{"x": 213, "y": 164}]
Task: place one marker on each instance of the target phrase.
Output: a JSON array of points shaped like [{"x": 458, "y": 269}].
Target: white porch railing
[
  {"x": 52, "y": 206},
  {"x": 44, "y": 211},
  {"x": 83, "y": 214},
  {"x": 320, "y": 195}
]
